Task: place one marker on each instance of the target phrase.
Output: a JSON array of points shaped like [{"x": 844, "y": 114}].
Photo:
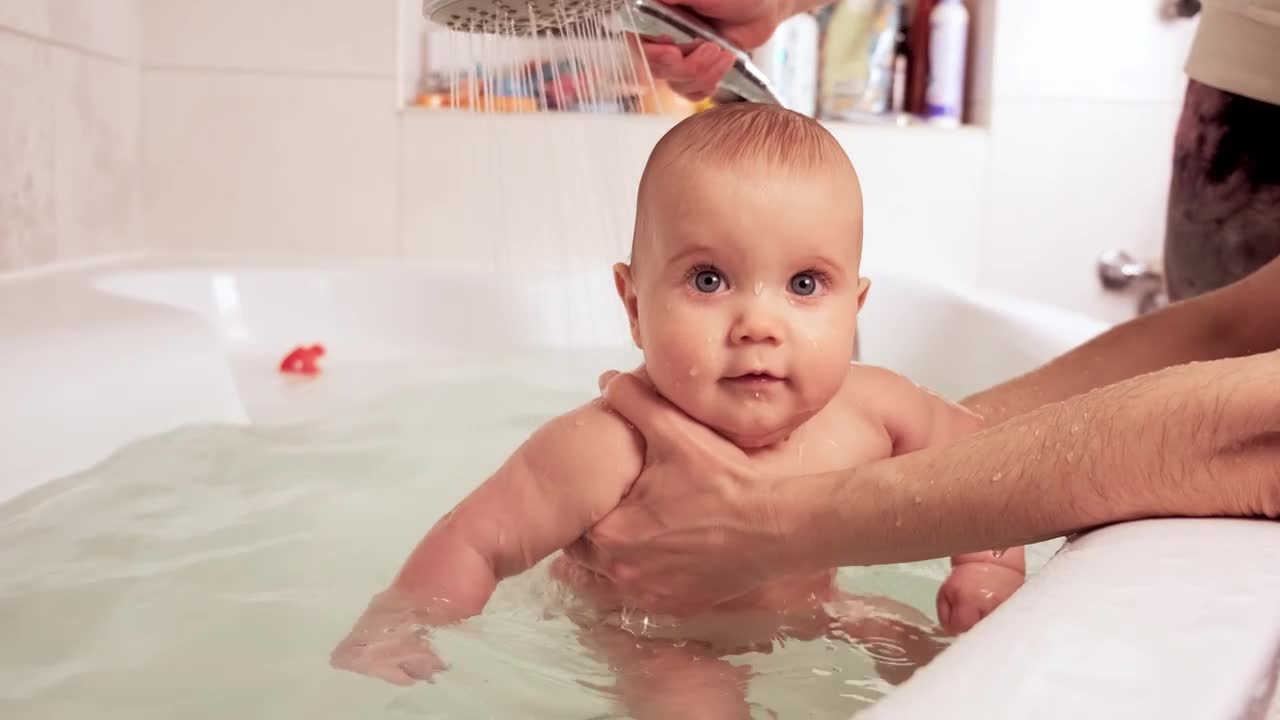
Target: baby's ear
[
  {"x": 864, "y": 285},
  {"x": 623, "y": 280}
]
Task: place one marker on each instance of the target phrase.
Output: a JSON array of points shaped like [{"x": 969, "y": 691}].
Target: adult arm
[
  {"x": 1234, "y": 321},
  {"x": 699, "y": 526}
]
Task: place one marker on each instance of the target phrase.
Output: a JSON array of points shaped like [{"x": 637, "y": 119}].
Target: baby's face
[{"x": 745, "y": 295}]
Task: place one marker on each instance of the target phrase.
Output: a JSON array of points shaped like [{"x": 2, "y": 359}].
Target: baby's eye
[
  {"x": 804, "y": 283},
  {"x": 707, "y": 281}
]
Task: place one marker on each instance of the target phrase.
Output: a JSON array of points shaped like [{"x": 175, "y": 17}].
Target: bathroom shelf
[{"x": 835, "y": 125}]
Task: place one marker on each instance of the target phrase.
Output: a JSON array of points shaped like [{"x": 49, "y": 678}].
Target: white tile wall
[
  {"x": 924, "y": 194},
  {"x": 565, "y": 181},
  {"x": 68, "y": 129},
  {"x": 95, "y": 154},
  {"x": 273, "y": 127},
  {"x": 269, "y": 163},
  {"x": 106, "y": 27},
  {"x": 26, "y": 146},
  {"x": 1085, "y": 99},
  {"x": 569, "y": 182},
  {"x": 26, "y": 16},
  {"x": 1069, "y": 179},
  {"x": 330, "y": 37},
  {"x": 1089, "y": 49}
]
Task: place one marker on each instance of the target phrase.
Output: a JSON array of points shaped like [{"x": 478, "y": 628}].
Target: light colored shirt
[{"x": 1237, "y": 48}]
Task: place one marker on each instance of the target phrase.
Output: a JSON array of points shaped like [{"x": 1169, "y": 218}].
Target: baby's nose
[{"x": 755, "y": 326}]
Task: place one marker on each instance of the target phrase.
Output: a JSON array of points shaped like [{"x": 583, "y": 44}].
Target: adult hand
[
  {"x": 697, "y": 527},
  {"x": 695, "y": 70}
]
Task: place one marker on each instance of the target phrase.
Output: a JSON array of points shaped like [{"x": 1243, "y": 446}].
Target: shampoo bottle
[
  {"x": 790, "y": 60},
  {"x": 948, "y": 41}
]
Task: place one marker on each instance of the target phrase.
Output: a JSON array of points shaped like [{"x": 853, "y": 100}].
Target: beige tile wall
[
  {"x": 69, "y": 128},
  {"x": 277, "y": 130},
  {"x": 275, "y": 164},
  {"x": 1085, "y": 96},
  {"x": 273, "y": 126}
]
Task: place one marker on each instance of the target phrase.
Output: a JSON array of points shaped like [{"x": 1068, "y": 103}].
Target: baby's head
[{"x": 743, "y": 289}]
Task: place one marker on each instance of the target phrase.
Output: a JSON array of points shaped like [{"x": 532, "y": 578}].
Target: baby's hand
[
  {"x": 978, "y": 583},
  {"x": 390, "y": 642}
]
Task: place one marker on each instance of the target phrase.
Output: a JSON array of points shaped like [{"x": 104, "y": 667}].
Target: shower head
[{"x": 646, "y": 18}]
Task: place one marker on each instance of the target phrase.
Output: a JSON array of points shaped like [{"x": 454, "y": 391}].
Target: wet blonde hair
[{"x": 733, "y": 135}]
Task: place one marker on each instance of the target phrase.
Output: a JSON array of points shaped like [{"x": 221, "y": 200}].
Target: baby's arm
[
  {"x": 563, "y": 479},
  {"x": 917, "y": 418}
]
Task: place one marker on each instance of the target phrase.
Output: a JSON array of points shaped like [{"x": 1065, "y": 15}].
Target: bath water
[{"x": 208, "y": 572}]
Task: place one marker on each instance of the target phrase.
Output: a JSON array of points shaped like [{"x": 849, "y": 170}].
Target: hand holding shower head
[{"x": 646, "y": 18}]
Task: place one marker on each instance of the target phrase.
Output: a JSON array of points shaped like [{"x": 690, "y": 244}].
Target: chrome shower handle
[
  {"x": 1118, "y": 271},
  {"x": 653, "y": 19}
]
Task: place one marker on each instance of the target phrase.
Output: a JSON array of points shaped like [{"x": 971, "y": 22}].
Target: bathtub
[{"x": 1155, "y": 619}]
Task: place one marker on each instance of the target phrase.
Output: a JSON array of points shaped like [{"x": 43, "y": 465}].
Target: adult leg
[{"x": 1224, "y": 197}]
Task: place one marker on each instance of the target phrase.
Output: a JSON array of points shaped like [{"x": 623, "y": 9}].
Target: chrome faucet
[{"x": 1118, "y": 271}]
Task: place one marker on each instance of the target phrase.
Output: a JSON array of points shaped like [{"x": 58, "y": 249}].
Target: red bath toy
[{"x": 302, "y": 361}]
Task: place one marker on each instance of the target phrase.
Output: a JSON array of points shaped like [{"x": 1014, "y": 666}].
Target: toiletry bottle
[
  {"x": 901, "y": 59},
  {"x": 857, "y": 63},
  {"x": 843, "y": 61},
  {"x": 918, "y": 62},
  {"x": 790, "y": 60},
  {"x": 948, "y": 40}
]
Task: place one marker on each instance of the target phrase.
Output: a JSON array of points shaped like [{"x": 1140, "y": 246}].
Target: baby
[{"x": 743, "y": 293}]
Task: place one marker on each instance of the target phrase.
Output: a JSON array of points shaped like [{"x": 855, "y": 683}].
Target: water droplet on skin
[
  {"x": 999, "y": 553},
  {"x": 897, "y": 523},
  {"x": 1075, "y": 428},
  {"x": 693, "y": 372},
  {"x": 997, "y": 477},
  {"x": 759, "y": 289},
  {"x": 1071, "y": 457}
]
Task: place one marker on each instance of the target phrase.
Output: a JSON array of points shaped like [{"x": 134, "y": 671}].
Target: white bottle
[
  {"x": 790, "y": 60},
  {"x": 948, "y": 38}
]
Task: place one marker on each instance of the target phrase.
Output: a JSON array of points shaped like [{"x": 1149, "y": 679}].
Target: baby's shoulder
[
  {"x": 881, "y": 396},
  {"x": 870, "y": 386}
]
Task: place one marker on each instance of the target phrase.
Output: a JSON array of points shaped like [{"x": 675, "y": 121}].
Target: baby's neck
[{"x": 757, "y": 444}]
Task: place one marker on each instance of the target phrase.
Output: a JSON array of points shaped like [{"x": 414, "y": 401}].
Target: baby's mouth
[{"x": 754, "y": 378}]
